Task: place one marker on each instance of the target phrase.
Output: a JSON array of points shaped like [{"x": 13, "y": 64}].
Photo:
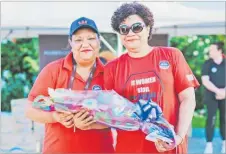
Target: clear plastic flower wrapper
[{"x": 113, "y": 110}]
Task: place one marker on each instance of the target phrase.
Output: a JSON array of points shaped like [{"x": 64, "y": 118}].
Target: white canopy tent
[
  {"x": 204, "y": 28},
  {"x": 30, "y": 19}
]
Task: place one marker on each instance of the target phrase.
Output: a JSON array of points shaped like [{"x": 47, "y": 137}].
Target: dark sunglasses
[{"x": 136, "y": 28}]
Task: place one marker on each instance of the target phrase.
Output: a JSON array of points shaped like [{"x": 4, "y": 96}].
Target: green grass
[{"x": 200, "y": 122}]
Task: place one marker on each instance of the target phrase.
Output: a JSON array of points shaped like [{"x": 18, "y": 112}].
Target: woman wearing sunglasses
[{"x": 145, "y": 72}]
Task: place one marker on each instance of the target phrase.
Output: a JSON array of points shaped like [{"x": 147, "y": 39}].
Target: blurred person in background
[
  {"x": 213, "y": 79},
  {"x": 79, "y": 70}
]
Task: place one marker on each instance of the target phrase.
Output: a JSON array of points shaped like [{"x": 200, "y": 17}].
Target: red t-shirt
[
  {"x": 59, "y": 139},
  {"x": 160, "y": 75}
]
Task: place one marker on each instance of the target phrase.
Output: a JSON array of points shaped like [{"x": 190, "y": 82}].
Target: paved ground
[
  {"x": 197, "y": 142},
  {"x": 18, "y": 138}
]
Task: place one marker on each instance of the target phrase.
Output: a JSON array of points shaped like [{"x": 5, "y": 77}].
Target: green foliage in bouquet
[
  {"x": 19, "y": 66},
  {"x": 195, "y": 50}
]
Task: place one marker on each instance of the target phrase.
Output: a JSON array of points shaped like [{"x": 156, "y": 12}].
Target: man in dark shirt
[{"x": 213, "y": 79}]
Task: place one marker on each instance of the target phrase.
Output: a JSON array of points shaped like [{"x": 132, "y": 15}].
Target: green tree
[{"x": 19, "y": 65}]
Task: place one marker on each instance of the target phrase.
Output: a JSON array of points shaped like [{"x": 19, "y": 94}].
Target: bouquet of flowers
[{"x": 113, "y": 110}]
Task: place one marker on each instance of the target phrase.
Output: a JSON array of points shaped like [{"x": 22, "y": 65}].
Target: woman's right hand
[{"x": 83, "y": 120}]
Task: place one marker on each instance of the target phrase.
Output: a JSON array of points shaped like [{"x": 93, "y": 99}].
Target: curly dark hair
[{"x": 128, "y": 9}]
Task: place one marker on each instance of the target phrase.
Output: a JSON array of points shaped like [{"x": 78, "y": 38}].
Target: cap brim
[{"x": 86, "y": 26}]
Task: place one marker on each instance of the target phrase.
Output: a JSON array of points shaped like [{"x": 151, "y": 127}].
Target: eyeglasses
[{"x": 136, "y": 28}]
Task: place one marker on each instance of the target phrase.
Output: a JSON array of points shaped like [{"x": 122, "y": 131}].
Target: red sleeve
[
  {"x": 183, "y": 76},
  {"x": 109, "y": 77},
  {"x": 44, "y": 81}
]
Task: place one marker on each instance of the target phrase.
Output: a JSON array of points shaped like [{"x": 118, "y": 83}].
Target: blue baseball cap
[{"x": 83, "y": 22}]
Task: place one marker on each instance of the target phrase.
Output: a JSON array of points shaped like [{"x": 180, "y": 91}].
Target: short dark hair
[
  {"x": 128, "y": 9},
  {"x": 220, "y": 45}
]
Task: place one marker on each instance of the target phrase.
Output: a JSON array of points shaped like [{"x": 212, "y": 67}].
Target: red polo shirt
[
  {"x": 59, "y": 139},
  {"x": 160, "y": 75}
]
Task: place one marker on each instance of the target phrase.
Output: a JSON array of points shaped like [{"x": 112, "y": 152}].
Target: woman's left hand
[{"x": 162, "y": 146}]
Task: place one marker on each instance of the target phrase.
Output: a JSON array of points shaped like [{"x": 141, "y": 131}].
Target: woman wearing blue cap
[{"x": 79, "y": 70}]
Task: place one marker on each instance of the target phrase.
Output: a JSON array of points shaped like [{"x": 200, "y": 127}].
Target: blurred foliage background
[
  {"x": 19, "y": 67},
  {"x": 20, "y": 63}
]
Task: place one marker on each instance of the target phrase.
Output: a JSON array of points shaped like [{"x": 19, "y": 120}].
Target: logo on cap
[{"x": 83, "y": 22}]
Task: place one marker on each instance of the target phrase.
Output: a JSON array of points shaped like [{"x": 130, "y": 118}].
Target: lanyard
[{"x": 72, "y": 78}]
